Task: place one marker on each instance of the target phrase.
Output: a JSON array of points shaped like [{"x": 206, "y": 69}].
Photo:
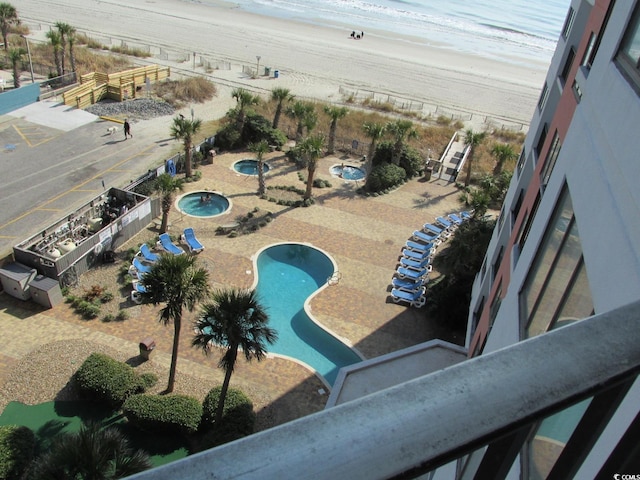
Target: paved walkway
[{"x": 364, "y": 236}]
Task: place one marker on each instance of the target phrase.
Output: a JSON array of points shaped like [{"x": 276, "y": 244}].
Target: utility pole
[{"x": 29, "y": 55}]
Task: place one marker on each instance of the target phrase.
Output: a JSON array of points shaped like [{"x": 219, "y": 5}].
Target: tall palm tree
[
  {"x": 65, "y": 30},
  {"x": 167, "y": 186},
  {"x": 260, "y": 149},
  {"x": 71, "y": 38},
  {"x": 402, "y": 130},
  {"x": 472, "y": 140},
  {"x": 335, "y": 113},
  {"x": 235, "y": 319},
  {"x": 374, "y": 131},
  {"x": 311, "y": 148},
  {"x": 301, "y": 112},
  {"x": 15, "y": 57},
  {"x": 280, "y": 96},
  {"x": 245, "y": 100},
  {"x": 185, "y": 129},
  {"x": 178, "y": 282},
  {"x": 504, "y": 153},
  {"x": 8, "y": 17},
  {"x": 56, "y": 43},
  {"x": 92, "y": 453}
]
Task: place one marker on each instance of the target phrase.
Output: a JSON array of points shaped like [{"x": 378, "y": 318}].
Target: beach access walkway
[{"x": 452, "y": 160}]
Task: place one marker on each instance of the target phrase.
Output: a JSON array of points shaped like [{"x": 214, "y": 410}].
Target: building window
[
  {"x": 577, "y": 91},
  {"x": 476, "y": 317},
  {"x": 516, "y": 207},
  {"x": 521, "y": 162},
  {"x": 525, "y": 227},
  {"x": 543, "y": 137},
  {"x": 590, "y": 52},
  {"x": 568, "y": 23},
  {"x": 550, "y": 161},
  {"x": 628, "y": 57},
  {"x": 495, "y": 307},
  {"x": 543, "y": 96},
  {"x": 501, "y": 218},
  {"x": 567, "y": 65},
  {"x": 496, "y": 264},
  {"x": 556, "y": 287}
]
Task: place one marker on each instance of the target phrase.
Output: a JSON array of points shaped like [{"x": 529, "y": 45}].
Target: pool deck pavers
[{"x": 363, "y": 235}]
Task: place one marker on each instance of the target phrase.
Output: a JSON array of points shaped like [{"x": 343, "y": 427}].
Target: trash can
[
  {"x": 146, "y": 347},
  {"x": 276, "y": 73},
  {"x": 267, "y": 71}
]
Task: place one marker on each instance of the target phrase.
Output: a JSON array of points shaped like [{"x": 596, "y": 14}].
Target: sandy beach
[{"x": 313, "y": 61}]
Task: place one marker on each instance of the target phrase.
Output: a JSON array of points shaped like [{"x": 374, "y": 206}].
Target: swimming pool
[
  {"x": 288, "y": 275},
  {"x": 203, "y": 204},
  {"x": 348, "y": 172},
  {"x": 249, "y": 167}
]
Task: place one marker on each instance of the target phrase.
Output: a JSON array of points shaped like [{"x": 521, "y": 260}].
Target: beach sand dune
[{"x": 314, "y": 61}]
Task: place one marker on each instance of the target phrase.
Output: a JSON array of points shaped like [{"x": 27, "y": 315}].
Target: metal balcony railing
[{"x": 488, "y": 405}]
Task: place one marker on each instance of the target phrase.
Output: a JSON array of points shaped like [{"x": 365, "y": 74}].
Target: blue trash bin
[{"x": 276, "y": 73}]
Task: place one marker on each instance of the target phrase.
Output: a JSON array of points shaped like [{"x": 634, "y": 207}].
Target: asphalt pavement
[{"x": 55, "y": 158}]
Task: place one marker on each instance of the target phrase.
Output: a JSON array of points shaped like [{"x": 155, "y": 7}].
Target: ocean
[{"x": 510, "y": 30}]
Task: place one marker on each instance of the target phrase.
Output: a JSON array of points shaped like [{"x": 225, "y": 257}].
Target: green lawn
[{"x": 48, "y": 419}]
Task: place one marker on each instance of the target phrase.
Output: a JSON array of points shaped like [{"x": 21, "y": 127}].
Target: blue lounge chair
[
  {"x": 455, "y": 218},
  {"x": 425, "y": 237},
  {"x": 435, "y": 230},
  {"x": 408, "y": 273},
  {"x": 138, "y": 268},
  {"x": 189, "y": 237},
  {"x": 466, "y": 215},
  {"x": 418, "y": 256},
  {"x": 448, "y": 224},
  {"x": 420, "y": 247},
  {"x": 147, "y": 254},
  {"x": 415, "y": 264},
  {"x": 409, "y": 285},
  {"x": 136, "y": 293},
  {"x": 168, "y": 246},
  {"x": 416, "y": 299}
]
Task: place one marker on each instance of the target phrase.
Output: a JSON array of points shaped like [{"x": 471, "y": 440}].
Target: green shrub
[
  {"x": 16, "y": 451},
  {"x": 384, "y": 176},
  {"x": 109, "y": 317},
  {"x": 148, "y": 380},
  {"x": 171, "y": 413},
  {"x": 238, "y": 417},
  {"x": 122, "y": 316},
  {"x": 88, "y": 309},
  {"x": 103, "y": 379},
  {"x": 106, "y": 297}
]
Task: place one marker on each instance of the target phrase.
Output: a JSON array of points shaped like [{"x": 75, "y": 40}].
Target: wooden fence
[{"x": 119, "y": 86}]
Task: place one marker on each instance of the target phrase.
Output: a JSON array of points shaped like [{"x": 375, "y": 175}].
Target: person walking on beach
[{"x": 127, "y": 129}]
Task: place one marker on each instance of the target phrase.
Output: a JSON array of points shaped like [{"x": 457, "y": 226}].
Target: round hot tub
[
  {"x": 203, "y": 204},
  {"x": 249, "y": 167},
  {"x": 348, "y": 172}
]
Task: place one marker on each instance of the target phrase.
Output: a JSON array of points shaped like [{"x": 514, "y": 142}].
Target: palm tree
[
  {"x": 56, "y": 43},
  {"x": 301, "y": 112},
  {"x": 92, "y": 453},
  {"x": 15, "y": 57},
  {"x": 8, "y": 17},
  {"x": 281, "y": 96},
  {"x": 401, "y": 130},
  {"x": 178, "y": 282},
  {"x": 65, "y": 30},
  {"x": 335, "y": 113},
  {"x": 374, "y": 131},
  {"x": 471, "y": 140},
  {"x": 71, "y": 38},
  {"x": 311, "y": 149},
  {"x": 260, "y": 149},
  {"x": 167, "y": 186},
  {"x": 503, "y": 153},
  {"x": 235, "y": 319},
  {"x": 185, "y": 129},
  {"x": 244, "y": 99}
]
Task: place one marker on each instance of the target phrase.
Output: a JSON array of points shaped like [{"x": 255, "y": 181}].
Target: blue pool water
[
  {"x": 192, "y": 204},
  {"x": 287, "y": 275},
  {"x": 249, "y": 167},
  {"x": 348, "y": 172}
]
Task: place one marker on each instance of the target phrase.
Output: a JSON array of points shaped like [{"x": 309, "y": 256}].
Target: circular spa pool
[
  {"x": 249, "y": 167},
  {"x": 348, "y": 172},
  {"x": 203, "y": 204}
]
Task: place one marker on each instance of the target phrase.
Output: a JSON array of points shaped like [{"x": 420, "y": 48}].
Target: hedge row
[
  {"x": 103, "y": 379},
  {"x": 16, "y": 451},
  {"x": 171, "y": 413}
]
